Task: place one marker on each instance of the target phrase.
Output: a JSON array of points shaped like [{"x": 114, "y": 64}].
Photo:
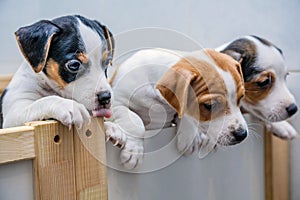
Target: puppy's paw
[
  {"x": 69, "y": 112},
  {"x": 114, "y": 133},
  {"x": 283, "y": 130},
  {"x": 132, "y": 154},
  {"x": 190, "y": 143}
]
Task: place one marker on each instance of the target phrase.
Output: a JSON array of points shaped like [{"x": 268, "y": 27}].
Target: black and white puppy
[
  {"x": 65, "y": 74},
  {"x": 266, "y": 94}
]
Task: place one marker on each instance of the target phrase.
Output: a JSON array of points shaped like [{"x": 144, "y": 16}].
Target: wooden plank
[
  {"x": 54, "y": 172},
  {"x": 280, "y": 169},
  {"x": 16, "y": 144},
  {"x": 268, "y": 166},
  {"x": 276, "y": 168},
  {"x": 90, "y": 160},
  {"x": 4, "y": 80}
]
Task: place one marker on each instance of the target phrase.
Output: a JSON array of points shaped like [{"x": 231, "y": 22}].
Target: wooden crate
[{"x": 68, "y": 163}]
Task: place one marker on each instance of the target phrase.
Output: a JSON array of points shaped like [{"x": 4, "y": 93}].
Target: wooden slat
[
  {"x": 54, "y": 171},
  {"x": 90, "y": 159},
  {"x": 276, "y": 168},
  {"x": 4, "y": 80},
  {"x": 16, "y": 144}
]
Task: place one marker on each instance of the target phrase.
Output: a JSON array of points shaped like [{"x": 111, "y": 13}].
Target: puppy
[
  {"x": 267, "y": 96},
  {"x": 65, "y": 74},
  {"x": 201, "y": 90}
]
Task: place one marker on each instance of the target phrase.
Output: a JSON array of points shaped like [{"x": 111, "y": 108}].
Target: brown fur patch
[
  {"x": 228, "y": 64},
  {"x": 82, "y": 57},
  {"x": 192, "y": 84},
  {"x": 254, "y": 93},
  {"x": 53, "y": 72},
  {"x": 104, "y": 55},
  {"x": 109, "y": 40}
]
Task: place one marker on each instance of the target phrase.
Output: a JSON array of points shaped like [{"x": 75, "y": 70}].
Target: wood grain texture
[
  {"x": 54, "y": 163},
  {"x": 16, "y": 144},
  {"x": 276, "y": 168},
  {"x": 90, "y": 161}
]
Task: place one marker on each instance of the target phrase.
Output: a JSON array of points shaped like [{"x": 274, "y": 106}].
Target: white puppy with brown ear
[
  {"x": 267, "y": 96},
  {"x": 201, "y": 89}
]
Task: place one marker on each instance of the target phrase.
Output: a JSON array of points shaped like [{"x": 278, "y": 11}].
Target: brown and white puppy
[
  {"x": 267, "y": 96},
  {"x": 201, "y": 89},
  {"x": 65, "y": 74}
]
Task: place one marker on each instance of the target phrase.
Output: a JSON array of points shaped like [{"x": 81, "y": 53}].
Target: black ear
[
  {"x": 110, "y": 44},
  {"x": 34, "y": 42}
]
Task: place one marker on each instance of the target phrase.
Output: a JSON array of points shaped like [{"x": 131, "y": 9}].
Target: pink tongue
[{"x": 104, "y": 112}]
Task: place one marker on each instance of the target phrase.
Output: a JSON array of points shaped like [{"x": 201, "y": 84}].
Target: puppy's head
[
  {"x": 73, "y": 53},
  {"x": 267, "y": 95},
  {"x": 207, "y": 86}
]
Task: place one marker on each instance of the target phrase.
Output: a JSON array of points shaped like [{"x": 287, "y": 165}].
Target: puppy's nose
[
  {"x": 104, "y": 97},
  {"x": 240, "y": 134},
  {"x": 292, "y": 109}
]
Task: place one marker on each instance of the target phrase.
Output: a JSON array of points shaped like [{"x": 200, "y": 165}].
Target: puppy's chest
[{"x": 151, "y": 108}]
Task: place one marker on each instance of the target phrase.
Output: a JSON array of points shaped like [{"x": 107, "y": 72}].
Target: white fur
[
  {"x": 136, "y": 97},
  {"x": 33, "y": 96},
  {"x": 272, "y": 109}
]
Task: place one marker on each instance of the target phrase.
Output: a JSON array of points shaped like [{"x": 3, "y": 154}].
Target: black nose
[
  {"x": 104, "y": 97},
  {"x": 240, "y": 134},
  {"x": 292, "y": 109}
]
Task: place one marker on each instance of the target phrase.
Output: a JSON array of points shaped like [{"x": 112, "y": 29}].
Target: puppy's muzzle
[
  {"x": 240, "y": 134},
  {"x": 292, "y": 109},
  {"x": 104, "y": 97}
]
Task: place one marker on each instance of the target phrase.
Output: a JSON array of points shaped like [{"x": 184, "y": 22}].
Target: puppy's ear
[
  {"x": 34, "y": 42},
  {"x": 239, "y": 70},
  {"x": 110, "y": 44},
  {"x": 235, "y": 55},
  {"x": 175, "y": 86}
]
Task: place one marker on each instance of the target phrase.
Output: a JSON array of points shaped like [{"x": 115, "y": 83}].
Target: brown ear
[
  {"x": 239, "y": 70},
  {"x": 34, "y": 42},
  {"x": 225, "y": 61},
  {"x": 174, "y": 86}
]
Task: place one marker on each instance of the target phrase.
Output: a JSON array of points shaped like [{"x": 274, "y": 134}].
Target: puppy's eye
[
  {"x": 73, "y": 65},
  {"x": 210, "y": 106},
  {"x": 265, "y": 83}
]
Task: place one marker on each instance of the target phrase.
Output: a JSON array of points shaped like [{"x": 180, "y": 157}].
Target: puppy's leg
[
  {"x": 132, "y": 125},
  {"x": 189, "y": 138},
  {"x": 66, "y": 111},
  {"x": 283, "y": 130}
]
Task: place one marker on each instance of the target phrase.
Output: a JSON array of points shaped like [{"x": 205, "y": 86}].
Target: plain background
[{"x": 209, "y": 23}]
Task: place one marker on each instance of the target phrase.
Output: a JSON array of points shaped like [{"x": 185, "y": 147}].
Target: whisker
[{"x": 256, "y": 134}]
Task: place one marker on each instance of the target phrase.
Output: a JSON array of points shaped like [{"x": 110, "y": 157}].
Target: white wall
[
  {"x": 209, "y": 23},
  {"x": 16, "y": 181},
  {"x": 294, "y": 81},
  {"x": 232, "y": 173}
]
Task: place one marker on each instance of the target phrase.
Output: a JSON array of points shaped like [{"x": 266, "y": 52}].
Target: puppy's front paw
[
  {"x": 283, "y": 130},
  {"x": 70, "y": 112},
  {"x": 190, "y": 143},
  {"x": 132, "y": 154},
  {"x": 114, "y": 133}
]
